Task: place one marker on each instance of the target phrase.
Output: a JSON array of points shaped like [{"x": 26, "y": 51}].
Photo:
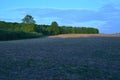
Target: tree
[
  {"x": 27, "y": 27},
  {"x": 28, "y": 19},
  {"x": 54, "y": 28}
]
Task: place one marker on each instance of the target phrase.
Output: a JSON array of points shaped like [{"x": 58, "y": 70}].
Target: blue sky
[{"x": 101, "y": 14}]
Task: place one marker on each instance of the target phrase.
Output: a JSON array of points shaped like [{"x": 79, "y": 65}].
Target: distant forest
[{"x": 28, "y": 25}]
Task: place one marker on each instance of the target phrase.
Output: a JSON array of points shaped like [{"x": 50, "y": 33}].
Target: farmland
[{"x": 79, "y": 58}]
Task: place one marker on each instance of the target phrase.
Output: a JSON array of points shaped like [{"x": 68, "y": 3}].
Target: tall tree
[
  {"x": 54, "y": 28},
  {"x": 28, "y": 19}
]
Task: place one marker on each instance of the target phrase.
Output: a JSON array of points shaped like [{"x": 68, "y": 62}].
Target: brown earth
[{"x": 84, "y": 35}]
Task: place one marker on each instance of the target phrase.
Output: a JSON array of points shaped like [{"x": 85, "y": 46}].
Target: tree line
[{"x": 29, "y": 25}]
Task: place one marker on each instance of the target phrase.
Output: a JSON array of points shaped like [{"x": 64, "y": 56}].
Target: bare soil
[
  {"x": 84, "y": 35},
  {"x": 84, "y": 58}
]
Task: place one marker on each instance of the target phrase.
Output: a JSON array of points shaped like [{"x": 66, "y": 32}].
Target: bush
[{"x": 14, "y": 35}]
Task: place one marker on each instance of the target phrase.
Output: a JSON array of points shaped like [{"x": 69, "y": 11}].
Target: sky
[{"x": 101, "y": 14}]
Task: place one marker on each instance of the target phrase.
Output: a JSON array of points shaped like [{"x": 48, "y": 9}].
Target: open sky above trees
[{"x": 101, "y": 14}]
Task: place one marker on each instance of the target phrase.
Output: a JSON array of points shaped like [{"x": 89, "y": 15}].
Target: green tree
[
  {"x": 27, "y": 27},
  {"x": 28, "y": 19},
  {"x": 54, "y": 28}
]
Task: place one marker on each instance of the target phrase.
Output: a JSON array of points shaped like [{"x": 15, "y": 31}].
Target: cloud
[
  {"x": 67, "y": 16},
  {"x": 111, "y": 16},
  {"x": 106, "y": 19}
]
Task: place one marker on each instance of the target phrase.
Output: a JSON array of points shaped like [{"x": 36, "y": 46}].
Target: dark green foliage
[
  {"x": 28, "y": 19},
  {"x": 54, "y": 28},
  {"x": 17, "y": 26},
  {"x": 27, "y": 27},
  {"x": 14, "y": 35},
  {"x": 46, "y": 30},
  {"x": 78, "y": 30}
]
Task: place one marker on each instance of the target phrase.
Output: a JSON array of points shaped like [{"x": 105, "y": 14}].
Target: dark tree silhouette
[
  {"x": 28, "y": 19},
  {"x": 54, "y": 28}
]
